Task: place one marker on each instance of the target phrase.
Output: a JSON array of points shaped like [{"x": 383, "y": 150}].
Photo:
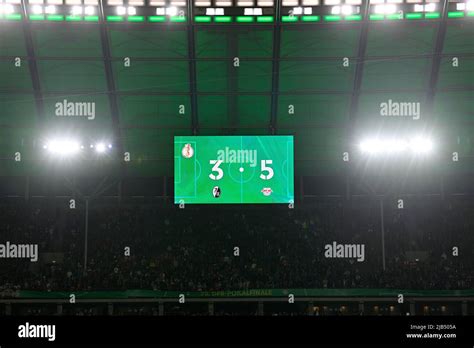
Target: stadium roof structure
[{"x": 155, "y": 69}]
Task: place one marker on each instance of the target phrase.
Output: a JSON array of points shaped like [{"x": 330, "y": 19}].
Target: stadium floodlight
[
  {"x": 344, "y": 9},
  {"x": 37, "y": 9},
  {"x": 336, "y": 10},
  {"x": 214, "y": 11},
  {"x": 425, "y": 8},
  {"x": 470, "y": 5},
  {"x": 297, "y": 10},
  {"x": 62, "y": 147},
  {"x": 308, "y": 11},
  {"x": 50, "y": 9},
  {"x": 89, "y": 10},
  {"x": 416, "y": 145},
  {"x": 172, "y": 11},
  {"x": 121, "y": 10},
  {"x": 243, "y": 3},
  {"x": 430, "y": 7},
  {"x": 77, "y": 10},
  {"x": 385, "y": 9},
  {"x": 7, "y": 9},
  {"x": 347, "y": 10},
  {"x": 100, "y": 147},
  {"x": 132, "y": 11},
  {"x": 421, "y": 145},
  {"x": 223, "y": 3}
]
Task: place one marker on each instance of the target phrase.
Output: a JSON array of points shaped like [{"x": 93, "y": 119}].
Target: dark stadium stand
[{"x": 193, "y": 251}]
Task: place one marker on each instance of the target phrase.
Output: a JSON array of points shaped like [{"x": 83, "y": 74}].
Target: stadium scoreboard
[{"x": 233, "y": 169}]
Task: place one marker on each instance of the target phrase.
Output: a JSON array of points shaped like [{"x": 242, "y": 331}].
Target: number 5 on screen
[{"x": 268, "y": 169}]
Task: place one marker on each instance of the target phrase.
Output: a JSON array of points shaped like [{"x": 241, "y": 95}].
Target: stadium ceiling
[{"x": 318, "y": 69}]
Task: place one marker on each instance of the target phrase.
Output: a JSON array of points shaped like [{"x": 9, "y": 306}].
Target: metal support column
[
  {"x": 382, "y": 229},
  {"x": 86, "y": 234},
  {"x": 192, "y": 69},
  {"x": 275, "y": 67}
]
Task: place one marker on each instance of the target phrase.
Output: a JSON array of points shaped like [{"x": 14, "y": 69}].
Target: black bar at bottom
[{"x": 227, "y": 330}]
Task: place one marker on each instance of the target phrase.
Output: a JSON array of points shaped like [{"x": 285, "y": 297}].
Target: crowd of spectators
[{"x": 427, "y": 245}]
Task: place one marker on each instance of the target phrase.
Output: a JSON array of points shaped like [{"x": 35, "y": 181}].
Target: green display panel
[{"x": 233, "y": 169}]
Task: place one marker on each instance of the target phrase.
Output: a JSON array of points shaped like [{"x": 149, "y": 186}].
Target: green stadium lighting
[
  {"x": 223, "y": 19},
  {"x": 310, "y": 18}
]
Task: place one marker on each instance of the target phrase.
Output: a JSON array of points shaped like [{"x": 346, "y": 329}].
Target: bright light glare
[
  {"x": 7, "y": 9},
  {"x": 470, "y": 5},
  {"x": 63, "y": 147},
  {"x": 297, "y": 10},
  {"x": 417, "y": 145},
  {"x": 76, "y": 10},
  {"x": 419, "y": 8},
  {"x": 121, "y": 10},
  {"x": 344, "y": 9},
  {"x": 90, "y": 10},
  {"x": 100, "y": 147},
  {"x": 430, "y": 7},
  {"x": 336, "y": 10},
  {"x": 37, "y": 9},
  {"x": 385, "y": 9},
  {"x": 171, "y": 11},
  {"x": 347, "y": 10},
  {"x": 421, "y": 145},
  {"x": 51, "y": 9}
]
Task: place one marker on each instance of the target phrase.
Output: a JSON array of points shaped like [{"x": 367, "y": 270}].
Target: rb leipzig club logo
[
  {"x": 267, "y": 191},
  {"x": 187, "y": 151}
]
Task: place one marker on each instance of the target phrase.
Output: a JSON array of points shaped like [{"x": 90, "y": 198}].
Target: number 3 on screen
[{"x": 216, "y": 168}]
